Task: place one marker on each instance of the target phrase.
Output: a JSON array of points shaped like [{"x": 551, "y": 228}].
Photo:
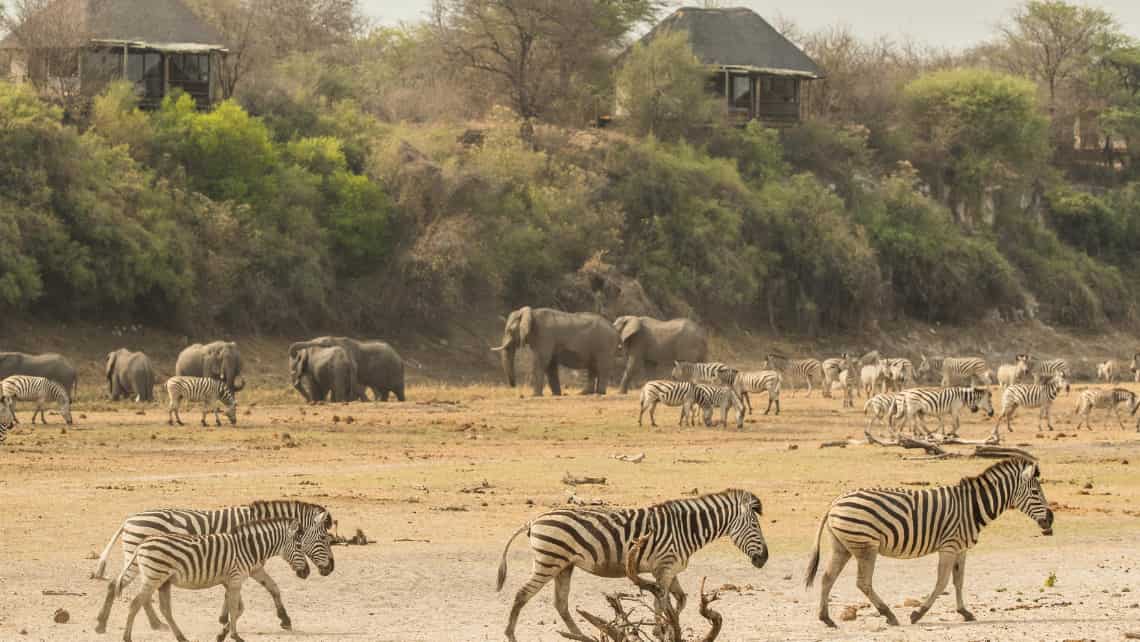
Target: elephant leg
[
  {"x": 399, "y": 391},
  {"x": 630, "y": 370},
  {"x": 591, "y": 381},
  {"x": 540, "y": 372},
  {"x": 552, "y": 378}
]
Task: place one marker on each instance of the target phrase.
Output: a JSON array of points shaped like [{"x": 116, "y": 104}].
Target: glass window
[
  {"x": 741, "y": 92},
  {"x": 145, "y": 70},
  {"x": 190, "y": 68}
]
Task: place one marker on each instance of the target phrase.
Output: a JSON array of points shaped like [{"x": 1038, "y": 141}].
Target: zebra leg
[
  {"x": 746, "y": 399},
  {"x": 105, "y": 612},
  {"x": 233, "y": 608},
  {"x": 562, "y": 599},
  {"x": 946, "y": 562},
  {"x": 263, "y": 579},
  {"x": 141, "y": 599},
  {"x": 678, "y": 595},
  {"x": 866, "y": 560},
  {"x": 640, "y": 413},
  {"x": 839, "y": 557},
  {"x": 164, "y": 604},
  {"x": 1115, "y": 411},
  {"x": 808, "y": 379},
  {"x": 652, "y": 414},
  {"x": 959, "y": 580},
  {"x": 529, "y": 590}
]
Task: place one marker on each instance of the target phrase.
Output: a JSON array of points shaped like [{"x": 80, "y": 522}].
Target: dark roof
[
  {"x": 737, "y": 38},
  {"x": 155, "y": 22}
]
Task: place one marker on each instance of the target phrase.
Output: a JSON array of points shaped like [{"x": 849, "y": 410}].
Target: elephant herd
[{"x": 590, "y": 342}]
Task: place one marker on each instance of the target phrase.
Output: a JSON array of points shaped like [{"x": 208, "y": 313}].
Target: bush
[{"x": 661, "y": 87}]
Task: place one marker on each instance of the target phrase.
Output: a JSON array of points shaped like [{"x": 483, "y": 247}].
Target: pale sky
[{"x": 954, "y": 24}]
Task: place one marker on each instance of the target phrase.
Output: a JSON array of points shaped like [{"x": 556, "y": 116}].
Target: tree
[
  {"x": 534, "y": 49},
  {"x": 1053, "y": 42},
  {"x": 662, "y": 87},
  {"x": 51, "y": 35}
]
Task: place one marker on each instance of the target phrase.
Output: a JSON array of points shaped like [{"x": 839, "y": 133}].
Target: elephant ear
[
  {"x": 630, "y": 328},
  {"x": 526, "y": 319},
  {"x": 111, "y": 357}
]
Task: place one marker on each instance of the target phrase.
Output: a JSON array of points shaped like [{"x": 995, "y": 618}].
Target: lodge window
[
  {"x": 190, "y": 68},
  {"x": 145, "y": 70},
  {"x": 741, "y": 96},
  {"x": 776, "y": 89}
]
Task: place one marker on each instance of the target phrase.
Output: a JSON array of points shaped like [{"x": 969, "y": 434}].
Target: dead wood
[
  {"x": 571, "y": 480},
  {"x": 834, "y": 444}
]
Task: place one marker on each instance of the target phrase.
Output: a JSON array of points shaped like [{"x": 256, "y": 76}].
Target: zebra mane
[
  {"x": 1004, "y": 452},
  {"x": 273, "y": 521},
  {"x": 297, "y": 507},
  {"x": 728, "y": 492}
]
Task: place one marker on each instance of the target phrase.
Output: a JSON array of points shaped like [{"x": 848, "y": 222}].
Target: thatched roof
[
  {"x": 161, "y": 24},
  {"x": 737, "y": 38}
]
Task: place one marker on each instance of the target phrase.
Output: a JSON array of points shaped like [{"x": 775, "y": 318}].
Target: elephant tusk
[{"x": 499, "y": 349}]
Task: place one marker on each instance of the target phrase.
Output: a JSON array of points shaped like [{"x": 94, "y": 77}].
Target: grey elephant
[
  {"x": 378, "y": 365},
  {"x": 129, "y": 374},
  {"x": 48, "y": 365},
  {"x": 576, "y": 340},
  {"x": 318, "y": 372},
  {"x": 217, "y": 360},
  {"x": 649, "y": 342}
]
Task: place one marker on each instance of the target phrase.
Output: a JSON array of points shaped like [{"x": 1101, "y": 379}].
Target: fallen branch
[
  {"x": 570, "y": 480},
  {"x": 716, "y": 621},
  {"x": 632, "y": 459},
  {"x": 834, "y": 444}
]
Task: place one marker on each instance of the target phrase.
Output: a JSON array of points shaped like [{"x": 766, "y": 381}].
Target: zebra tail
[
  {"x": 813, "y": 564},
  {"x": 98, "y": 574},
  {"x": 503, "y": 562},
  {"x": 125, "y": 576}
]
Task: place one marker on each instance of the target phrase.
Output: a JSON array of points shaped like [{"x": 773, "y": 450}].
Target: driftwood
[
  {"x": 632, "y": 459},
  {"x": 627, "y": 627},
  {"x": 571, "y": 480},
  {"x": 936, "y": 450}
]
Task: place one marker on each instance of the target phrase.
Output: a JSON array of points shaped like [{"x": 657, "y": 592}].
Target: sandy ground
[{"x": 399, "y": 472}]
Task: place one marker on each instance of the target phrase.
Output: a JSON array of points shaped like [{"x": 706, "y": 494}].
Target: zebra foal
[
  {"x": 760, "y": 381},
  {"x": 205, "y": 561},
  {"x": 710, "y": 398},
  {"x": 598, "y": 541},
  {"x": 40, "y": 390},
  {"x": 210, "y": 392},
  {"x": 906, "y": 523},
  {"x": 1105, "y": 399},
  {"x": 1031, "y": 395},
  {"x": 670, "y": 393}
]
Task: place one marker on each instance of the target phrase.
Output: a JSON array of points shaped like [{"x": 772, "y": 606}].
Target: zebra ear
[{"x": 1029, "y": 472}]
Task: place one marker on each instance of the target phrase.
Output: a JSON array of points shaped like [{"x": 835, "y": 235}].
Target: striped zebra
[
  {"x": 968, "y": 369},
  {"x": 713, "y": 372},
  {"x": 898, "y": 373},
  {"x": 808, "y": 369},
  {"x": 831, "y": 369},
  {"x": 849, "y": 386},
  {"x": 40, "y": 390},
  {"x": 1010, "y": 373},
  {"x": 7, "y": 421},
  {"x": 206, "y": 561},
  {"x": 1106, "y": 399},
  {"x": 670, "y": 393},
  {"x": 745, "y": 383},
  {"x": 138, "y": 527},
  {"x": 710, "y": 398},
  {"x": 1106, "y": 371},
  {"x": 911, "y": 523},
  {"x": 1134, "y": 366},
  {"x": 921, "y": 402},
  {"x": 209, "y": 391},
  {"x": 1028, "y": 395},
  {"x": 598, "y": 541},
  {"x": 1052, "y": 368},
  {"x": 885, "y": 405}
]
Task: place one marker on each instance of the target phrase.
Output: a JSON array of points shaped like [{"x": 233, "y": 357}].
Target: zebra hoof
[
  {"x": 101, "y": 628},
  {"x": 828, "y": 621},
  {"x": 966, "y": 615}
]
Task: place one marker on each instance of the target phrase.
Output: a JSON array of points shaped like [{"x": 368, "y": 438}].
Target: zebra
[
  {"x": 870, "y": 376},
  {"x": 941, "y": 401},
  {"x": 1134, "y": 367},
  {"x": 709, "y": 398},
  {"x": 1106, "y": 371},
  {"x": 971, "y": 369},
  {"x": 670, "y": 393},
  {"x": 831, "y": 369},
  {"x": 1029, "y": 395},
  {"x": 207, "y": 390},
  {"x": 598, "y": 541},
  {"x": 1106, "y": 399},
  {"x": 886, "y": 404},
  {"x": 701, "y": 372},
  {"x": 315, "y": 519},
  {"x": 768, "y": 381},
  {"x": 1010, "y": 373},
  {"x": 912, "y": 523},
  {"x": 846, "y": 381},
  {"x": 897, "y": 373},
  {"x": 808, "y": 369},
  {"x": 7, "y": 421},
  {"x": 205, "y": 561},
  {"x": 1051, "y": 368},
  {"x": 38, "y": 389}
]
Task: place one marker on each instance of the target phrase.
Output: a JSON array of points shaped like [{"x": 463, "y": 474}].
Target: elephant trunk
[{"x": 507, "y": 355}]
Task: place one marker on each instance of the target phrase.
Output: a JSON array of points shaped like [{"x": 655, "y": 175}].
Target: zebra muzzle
[
  {"x": 760, "y": 559},
  {"x": 1046, "y": 524}
]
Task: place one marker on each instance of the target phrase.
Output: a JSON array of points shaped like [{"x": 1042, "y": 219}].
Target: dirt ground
[{"x": 441, "y": 481}]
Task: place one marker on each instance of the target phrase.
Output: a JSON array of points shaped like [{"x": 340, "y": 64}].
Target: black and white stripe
[
  {"x": 701, "y": 372},
  {"x": 970, "y": 370},
  {"x": 810, "y": 370},
  {"x": 1107, "y": 371},
  {"x": 205, "y": 390},
  {"x": 898, "y": 373},
  {"x": 670, "y": 393},
  {"x": 921, "y": 402},
  {"x": 1028, "y": 395},
  {"x": 911, "y": 523},
  {"x": 759, "y": 381},
  {"x": 205, "y": 561},
  {"x": 710, "y": 398},
  {"x": 831, "y": 369},
  {"x": 6, "y": 422},
  {"x": 315, "y": 520},
  {"x": 1050, "y": 369},
  {"x": 598, "y": 541},
  {"x": 1106, "y": 399},
  {"x": 39, "y": 390},
  {"x": 889, "y": 406}
]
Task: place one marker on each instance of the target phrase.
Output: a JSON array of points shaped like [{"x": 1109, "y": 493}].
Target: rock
[
  {"x": 793, "y": 447},
  {"x": 61, "y": 616},
  {"x": 849, "y": 613}
]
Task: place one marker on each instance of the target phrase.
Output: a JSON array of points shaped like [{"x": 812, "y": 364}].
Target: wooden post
[
  {"x": 165, "y": 74},
  {"x": 126, "y": 61}
]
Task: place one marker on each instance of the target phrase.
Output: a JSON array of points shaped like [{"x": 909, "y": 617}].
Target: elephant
[
  {"x": 649, "y": 342},
  {"x": 317, "y": 371},
  {"x": 378, "y": 365},
  {"x": 578, "y": 340},
  {"x": 217, "y": 360},
  {"x": 49, "y": 365},
  {"x": 129, "y": 374}
]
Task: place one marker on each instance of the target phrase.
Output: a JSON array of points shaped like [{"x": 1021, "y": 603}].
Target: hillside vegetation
[{"x": 315, "y": 198}]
